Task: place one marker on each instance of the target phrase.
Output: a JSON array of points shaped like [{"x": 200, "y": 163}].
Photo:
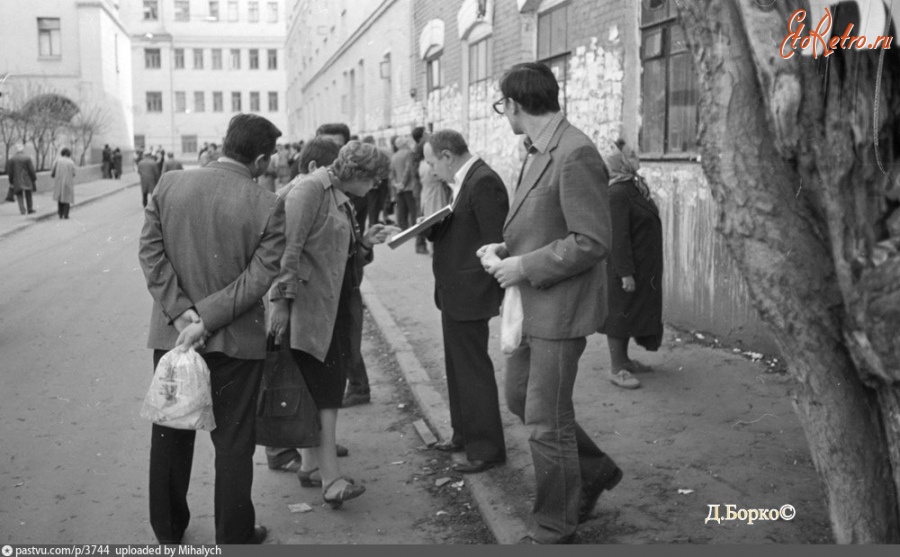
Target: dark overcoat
[{"x": 637, "y": 251}]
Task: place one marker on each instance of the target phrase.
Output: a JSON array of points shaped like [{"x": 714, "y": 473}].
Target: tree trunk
[{"x": 787, "y": 148}]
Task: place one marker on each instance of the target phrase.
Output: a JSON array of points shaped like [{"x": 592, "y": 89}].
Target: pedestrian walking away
[
  {"x": 468, "y": 297},
  {"x": 210, "y": 247},
  {"x": 106, "y": 162},
  {"x": 22, "y": 179},
  {"x": 63, "y": 174},
  {"x": 117, "y": 163},
  {"x": 322, "y": 264},
  {"x": 171, "y": 164},
  {"x": 636, "y": 268},
  {"x": 148, "y": 170},
  {"x": 556, "y": 240}
]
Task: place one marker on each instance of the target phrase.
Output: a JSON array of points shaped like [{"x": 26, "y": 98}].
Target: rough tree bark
[{"x": 788, "y": 148}]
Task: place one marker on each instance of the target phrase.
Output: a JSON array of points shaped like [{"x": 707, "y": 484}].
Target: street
[{"x": 74, "y": 314}]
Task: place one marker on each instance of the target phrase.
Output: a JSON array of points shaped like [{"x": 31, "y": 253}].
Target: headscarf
[{"x": 623, "y": 165}]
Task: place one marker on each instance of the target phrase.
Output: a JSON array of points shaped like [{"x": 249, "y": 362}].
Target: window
[
  {"x": 140, "y": 142},
  {"x": 254, "y": 101},
  {"x": 214, "y": 9},
  {"x": 254, "y": 58},
  {"x": 235, "y": 59},
  {"x": 179, "y": 58},
  {"x": 198, "y": 58},
  {"x": 253, "y": 12},
  {"x": 180, "y": 102},
  {"x": 273, "y": 101},
  {"x": 151, "y": 10},
  {"x": 154, "y": 101},
  {"x": 236, "y": 101},
  {"x": 273, "y": 58},
  {"x": 433, "y": 75},
  {"x": 479, "y": 61},
  {"x": 553, "y": 45},
  {"x": 232, "y": 11},
  {"x": 188, "y": 143},
  {"x": 217, "y": 58},
  {"x": 152, "y": 59},
  {"x": 273, "y": 12},
  {"x": 218, "y": 105},
  {"x": 182, "y": 10},
  {"x": 669, "y": 92},
  {"x": 48, "y": 36},
  {"x": 199, "y": 101}
]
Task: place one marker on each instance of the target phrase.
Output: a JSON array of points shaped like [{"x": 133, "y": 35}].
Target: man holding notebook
[{"x": 468, "y": 297}]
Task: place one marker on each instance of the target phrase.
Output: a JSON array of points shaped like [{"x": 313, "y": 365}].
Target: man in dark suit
[
  {"x": 468, "y": 297},
  {"x": 556, "y": 242},
  {"x": 148, "y": 170},
  {"x": 210, "y": 248}
]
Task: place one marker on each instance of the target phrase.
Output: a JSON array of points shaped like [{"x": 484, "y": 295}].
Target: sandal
[
  {"x": 349, "y": 491},
  {"x": 635, "y": 366},
  {"x": 292, "y": 465},
  {"x": 307, "y": 479},
  {"x": 623, "y": 378}
]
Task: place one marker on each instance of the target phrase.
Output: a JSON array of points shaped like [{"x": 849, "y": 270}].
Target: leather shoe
[
  {"x": 449, "y": 447},
  {"x": 590, "y": 493},
  {"x": 258, "y": 536},
  {"x": 476, "y": 466}
]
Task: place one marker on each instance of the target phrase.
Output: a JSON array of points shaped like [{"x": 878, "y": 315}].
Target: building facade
[
  {"x": 624, "y": 73},
  {"x": 75, "y": 49},
  {"x": 198, "y": 63}
]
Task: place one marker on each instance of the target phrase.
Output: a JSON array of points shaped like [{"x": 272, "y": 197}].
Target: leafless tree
[
  {"x": 85, "y": 125},
  {"x": 801, "y": 154}
]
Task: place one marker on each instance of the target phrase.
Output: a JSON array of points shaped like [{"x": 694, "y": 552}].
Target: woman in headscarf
[
  {"x": 321, "y": 266},
  {"x": 635, "y": 268}
]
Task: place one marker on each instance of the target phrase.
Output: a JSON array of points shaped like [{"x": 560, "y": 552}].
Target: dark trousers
[
  {"x": 358, "y": 377},
  {"x": 235, "y": 386},
  {"x": 63, "y": 209},
  {"x": 407, "y": 210},
  {"x": 26, "y": 203},
  {"x": 472, "y": 388}
]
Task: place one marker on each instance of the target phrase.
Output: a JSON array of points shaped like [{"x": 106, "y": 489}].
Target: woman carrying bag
[{"x": 322, "y": 264}]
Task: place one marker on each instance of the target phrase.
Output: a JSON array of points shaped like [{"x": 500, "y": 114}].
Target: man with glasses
[{"x": 556, "y": 242}]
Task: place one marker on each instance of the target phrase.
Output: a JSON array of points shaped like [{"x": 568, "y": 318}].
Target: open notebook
[{"x": 414, "y": 231}]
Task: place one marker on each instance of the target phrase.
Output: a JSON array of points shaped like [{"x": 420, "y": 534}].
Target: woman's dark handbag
[{"x": 286, "y": 414}]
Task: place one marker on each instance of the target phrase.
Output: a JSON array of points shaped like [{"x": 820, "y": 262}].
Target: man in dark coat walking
[
  {"x": 148, "y": 169},
  {"x": 468, "y": 297},
  {"x": 22, "y": 179}
]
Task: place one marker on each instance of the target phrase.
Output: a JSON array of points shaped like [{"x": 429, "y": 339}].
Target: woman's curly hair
[{"x": 361, "y": 161}]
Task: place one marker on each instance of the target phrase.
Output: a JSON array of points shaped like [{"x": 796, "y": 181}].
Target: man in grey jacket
[
  {"x": 210, "y": 248},
  {"x": 22, "y": 179}
]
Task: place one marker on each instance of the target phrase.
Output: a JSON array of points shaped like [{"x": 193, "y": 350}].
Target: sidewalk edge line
[
  {"x": 506, "y": 527},
  {"x": 88, "y": 200}
]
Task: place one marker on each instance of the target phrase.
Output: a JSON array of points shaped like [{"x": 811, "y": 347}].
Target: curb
[
  {"x": 488, "y": 495},
  {"x": 38, "y": 218}
]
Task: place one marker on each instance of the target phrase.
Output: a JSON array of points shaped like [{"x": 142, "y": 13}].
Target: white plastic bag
[
  {"x": 511, "y": 320},
  {"x": 180, "y": 396}
]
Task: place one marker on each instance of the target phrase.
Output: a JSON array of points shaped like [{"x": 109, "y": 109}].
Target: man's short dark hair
[
  {"x": 418, "y": 133},
  {"x": 66, "y": 152},
  {"x": 319, "y": 149},
  {"x": 370, "y": 139},
  {"x": 248, "y": 137},
  {"x": 335, "y": 129},
  {"x": 532, "y": 85},
  {"x": 448, "y": 140}
]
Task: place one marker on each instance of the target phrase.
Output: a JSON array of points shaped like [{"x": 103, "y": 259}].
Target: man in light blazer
[
  {"x": 468, "y": 297},
  {"x": 556, "y": 242},
  {"x": 210, "y": 248}
]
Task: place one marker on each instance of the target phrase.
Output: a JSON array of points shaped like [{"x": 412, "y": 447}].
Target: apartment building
[
  {"x": 624, "y": 72},
  {"x": 77, "y": 50},
  {"x": 197, "y": 63}
]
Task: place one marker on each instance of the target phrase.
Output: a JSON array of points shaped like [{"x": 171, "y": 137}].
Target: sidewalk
[
  {"x": 707, "y": 427},
  {"x": 11, "y": 221}
]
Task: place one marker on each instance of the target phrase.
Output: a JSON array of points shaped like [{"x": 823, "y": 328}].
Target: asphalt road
[{"x": 74, "y": 313}]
